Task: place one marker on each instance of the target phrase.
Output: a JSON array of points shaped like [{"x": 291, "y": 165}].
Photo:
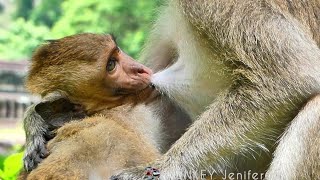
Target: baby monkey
[{"x": 87, "y": 77}]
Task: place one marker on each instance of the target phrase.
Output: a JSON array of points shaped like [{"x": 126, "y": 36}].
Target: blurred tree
[
  {"x": 128, "y": 20},
  {"x": 24, "y": 8},
  {"x": 1, "y": 8},
  {"x": 47, "y": 12},
  {"x": 21, "y": 38}
]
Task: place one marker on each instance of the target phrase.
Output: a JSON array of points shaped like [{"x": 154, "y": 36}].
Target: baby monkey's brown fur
[
  {"x": 87, "y": 75},
  {"x": 97, "y": 146}
]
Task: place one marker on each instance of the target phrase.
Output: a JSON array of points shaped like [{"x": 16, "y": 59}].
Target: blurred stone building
[{"x": 13, "y": 97}]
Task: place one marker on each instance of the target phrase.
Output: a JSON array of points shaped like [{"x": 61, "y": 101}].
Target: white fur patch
[{"x": 195, "y": 79}]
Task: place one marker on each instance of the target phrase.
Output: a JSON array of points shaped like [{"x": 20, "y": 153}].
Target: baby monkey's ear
[{"x": 40, "y": 122}]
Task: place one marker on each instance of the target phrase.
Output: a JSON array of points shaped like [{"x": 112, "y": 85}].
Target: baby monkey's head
[{"x": 90, "y": 69}]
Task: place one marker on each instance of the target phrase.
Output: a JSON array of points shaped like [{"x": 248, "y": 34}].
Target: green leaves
[
  {"x": 129, "y": 20},
  {"x": 21, "y": 37},
  {"x": 11, "y": 166}
]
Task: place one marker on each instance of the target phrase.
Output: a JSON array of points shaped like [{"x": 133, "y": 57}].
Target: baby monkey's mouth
[
  {"x": 145, "y": 95},
  {"x": 124, "y": 91},
  {"x": 121, "y": 91},
  {"x": 148, "y": 94}
]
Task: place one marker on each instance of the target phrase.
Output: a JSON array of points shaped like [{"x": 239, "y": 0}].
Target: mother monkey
[{"x": 249, "y": 69}]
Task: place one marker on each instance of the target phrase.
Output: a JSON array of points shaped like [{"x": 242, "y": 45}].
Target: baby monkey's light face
[
  {"x": 123, "y": 74},
  {"x": 118, "y": 78},
  {"x": 92, "y": 70}
]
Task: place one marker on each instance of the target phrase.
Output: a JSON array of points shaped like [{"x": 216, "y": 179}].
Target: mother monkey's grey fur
[{"x": 247, "y": 68}]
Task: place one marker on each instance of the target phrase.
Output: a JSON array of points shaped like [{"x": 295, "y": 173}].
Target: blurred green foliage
[
  {"x": 19, "y": 40},
  {"x": 11, "y": 165},
  {"x": 23, "y": 8},
  {"x": 47, "y": 13},
  {"x": 126, "y": 19}
]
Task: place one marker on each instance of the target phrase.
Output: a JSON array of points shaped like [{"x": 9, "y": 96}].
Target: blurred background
[{"x": 24, "y": 24}]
